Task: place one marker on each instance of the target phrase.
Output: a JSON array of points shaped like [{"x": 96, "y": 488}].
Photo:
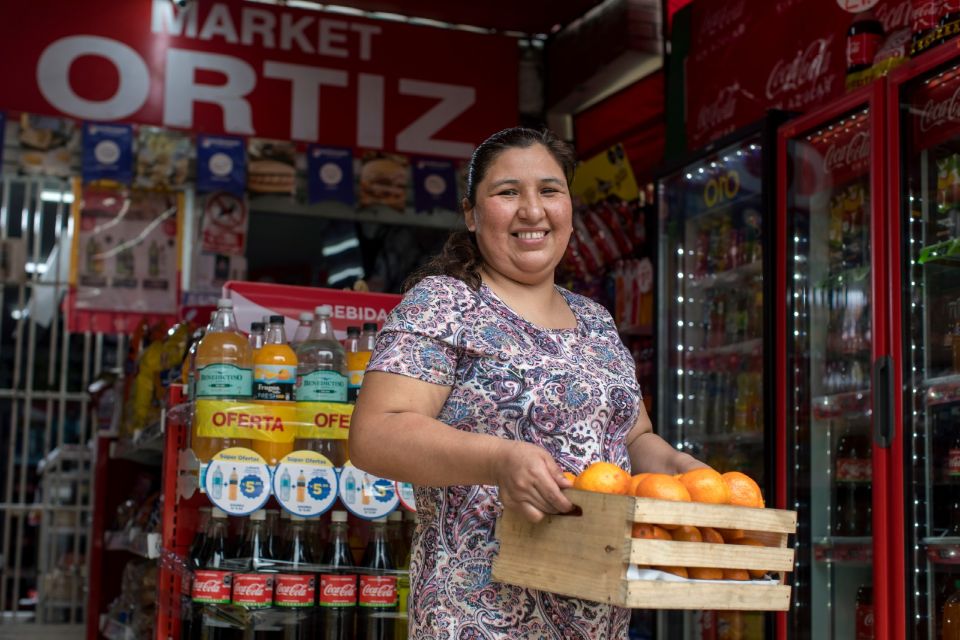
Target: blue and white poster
[
  {"x": 330, "y": 174},
  {"x": 107, "y": 152},
  {"x": 221, "y": 164},
  {"x": 434, "y": 185}
]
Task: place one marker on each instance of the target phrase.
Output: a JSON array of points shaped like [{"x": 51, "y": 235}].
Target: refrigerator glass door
[
  {"x": 828, "y": 362},
  {"x": 930, "y": 234},
  {"x": 711, "y": 330}
]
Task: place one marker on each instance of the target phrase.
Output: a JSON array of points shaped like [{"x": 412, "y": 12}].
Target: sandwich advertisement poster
[
  {"x": 330, "y": 174},
  {"x": 221, "y": 164},
  {"x": 272, "y": 166},
  {"x": 384, "y": 178}
]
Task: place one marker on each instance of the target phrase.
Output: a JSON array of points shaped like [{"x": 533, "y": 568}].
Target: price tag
[
  {"x": 238, "y": 481},
  {"x": 406, "y": 496},
  {"x": 305, "y": 483},
  {"x": 366, "y": 496}
]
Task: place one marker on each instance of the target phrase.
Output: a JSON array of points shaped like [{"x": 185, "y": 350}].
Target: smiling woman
[{"x": 487, "y": 383}]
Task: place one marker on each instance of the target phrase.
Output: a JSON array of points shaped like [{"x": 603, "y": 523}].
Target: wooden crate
[{"x": 586, "y": 556}]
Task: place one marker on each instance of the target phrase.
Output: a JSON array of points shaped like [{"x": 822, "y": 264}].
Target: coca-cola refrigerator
[
  {"x": 715, "y": 337},
  {"x": 924, "y": 237},
  {"x": 833, "y": 367}
]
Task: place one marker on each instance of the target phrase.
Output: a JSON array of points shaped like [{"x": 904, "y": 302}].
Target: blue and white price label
[
  {"x": 305, "y": 483},
  {"x": 367, "y": 496},
  {"x": 406, "y": 496},
  {"x": 238, "y": 481}
]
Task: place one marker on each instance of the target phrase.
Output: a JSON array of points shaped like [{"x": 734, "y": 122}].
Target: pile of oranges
[{"x": 700, "y": 485}]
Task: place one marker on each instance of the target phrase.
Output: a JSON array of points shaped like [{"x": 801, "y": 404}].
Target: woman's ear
[{"x": 469, "y": 215}]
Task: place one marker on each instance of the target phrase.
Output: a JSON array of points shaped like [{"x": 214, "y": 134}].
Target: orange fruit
[
  {"x": 735, "y": 574},
  {"x": 729, "y": 535},
  {"x": 663, "y": 487},
  {"x": 744, "y": 492},
  {"x": 752, "y": 542},
  {"x": 603, "y": 477},
  {"x": 677, "y": 571},
  {"x": 709, "y": 534},
  {"x": 569, "y": 476},
  {"x": 705, "y": 573},
  {"x": 649, "y": 531},
  {"x": 706, "y": 485},
  {"x": 686, "y": 533},
  {"x": 635, "y": 482}
]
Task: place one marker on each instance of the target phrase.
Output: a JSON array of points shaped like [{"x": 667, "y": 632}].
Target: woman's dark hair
[{"x": 460, "y": 256}]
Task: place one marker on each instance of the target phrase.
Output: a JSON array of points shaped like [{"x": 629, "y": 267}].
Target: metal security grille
[{"x": 46, "y": 473}]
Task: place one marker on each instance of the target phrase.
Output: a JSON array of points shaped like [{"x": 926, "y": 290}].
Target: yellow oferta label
[
  {"x": 269, "y": 422},
  {"x": 328, "y": 420}
]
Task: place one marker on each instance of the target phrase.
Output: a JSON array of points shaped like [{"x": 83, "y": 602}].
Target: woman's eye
[{"x": 508, "y": 192}]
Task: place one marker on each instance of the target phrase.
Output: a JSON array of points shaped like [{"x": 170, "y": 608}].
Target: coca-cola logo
[
  {"x": 725, "y": 16},
  {"x": 212, "y": 586},
  {"x": 841, "y": 155},
  {"x": 721, "y": 110},
  {"x": 347, "y": 590},
  {"x": 804, "y": 68},
  {"x": 250, "y": 589},
  {"x": 377, "y": 591},
  {"x": 936, "y": 114},
  {"x": 924, "y": 14},
  {"x": 894, "y": 16},
  {"x": 294, "y": 590}
]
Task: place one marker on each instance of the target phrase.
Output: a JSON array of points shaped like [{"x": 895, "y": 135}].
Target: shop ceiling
[{"x": 519, "y": 17}]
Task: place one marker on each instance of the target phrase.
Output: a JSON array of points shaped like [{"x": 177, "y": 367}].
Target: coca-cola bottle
[
  {"x": 295, "y": 590},
  {"x": 852, "y": 505},
  {"x": 378, "y": 587},
  {"x": 212, "y": 584},
  {"x": 863, "y": 39},
  {"x": 863, "y": 613},
  {"x": 253, "y": 586},
  {"x": 338, "y": 583}
]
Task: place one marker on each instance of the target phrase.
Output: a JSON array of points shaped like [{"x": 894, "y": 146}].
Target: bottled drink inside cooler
[
  {"x": 930, "y": 237},
  {"x": 829, "y": 363}
]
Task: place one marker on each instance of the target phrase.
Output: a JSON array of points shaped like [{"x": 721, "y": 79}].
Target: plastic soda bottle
[
  {"x": 354, "y": 371},
  {"x": 303, "y": 329},
  {"x": 274, "y": 382},
  {"x": 224, "y": 371},
  {"x": 257, "y": 330},
  {"x": 338, "y": 583},
  {"x": 322, "y": 377},
  {"x": 378, "y": 587}
]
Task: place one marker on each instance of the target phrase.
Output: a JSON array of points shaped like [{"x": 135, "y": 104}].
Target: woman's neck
[{"x": 539, "y": 303}]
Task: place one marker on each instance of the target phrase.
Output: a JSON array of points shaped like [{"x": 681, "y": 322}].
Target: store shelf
[
  {"x": 943, "y": 389},
  {"x": 748, "y": 347},
  {"x": 842, "y": 405},
  {"x": 844, "y": 550},
  {"x": 946, "y": 251},
  {"x": 727, "y": 278},
  {"x": 145, "y": 446},
  {"x": 145, "y": 545},
  {"x": 845, "y": 277},
  {"x": 943, "y": 549}
]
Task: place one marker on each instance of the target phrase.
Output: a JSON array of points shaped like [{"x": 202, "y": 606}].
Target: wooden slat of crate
[
  {"x": 580, "y": 556},
  {"x": 702, "y": 554},
  {"x": 712, "y": 515},
  {"x": 658, "y": 594}
]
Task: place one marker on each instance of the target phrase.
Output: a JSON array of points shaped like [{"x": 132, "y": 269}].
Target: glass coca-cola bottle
[
  {"x": 378, "y": 587},
  {"x": 212, "y": 584},
  {"x": 338, "y": 583},
  {"x": 295, "y": 590},
  {"x": 253, "y": 586}
]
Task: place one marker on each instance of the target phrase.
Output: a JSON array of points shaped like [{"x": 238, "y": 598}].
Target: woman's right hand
[{"x": 529, "y": 480}]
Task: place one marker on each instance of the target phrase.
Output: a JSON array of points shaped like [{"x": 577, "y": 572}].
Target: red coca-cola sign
[
  {"x": 378, "y": 591},
  {"x": 935, "y": 110},
  {"x": 854, "y": 470},
  {"x": 294, "y": 590},
  {"x": 253, "y": 590},
  {"x": 211, "y": 586},
  {"x": 864, "y": 622},
  {"x": 338, "y": 590}
]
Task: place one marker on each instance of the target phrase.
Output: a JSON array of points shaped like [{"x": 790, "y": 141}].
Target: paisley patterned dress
[{"x": 570, "y": 391}]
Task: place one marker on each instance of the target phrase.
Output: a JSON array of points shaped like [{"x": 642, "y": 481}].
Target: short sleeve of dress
[{"x": 420, "y": 336}]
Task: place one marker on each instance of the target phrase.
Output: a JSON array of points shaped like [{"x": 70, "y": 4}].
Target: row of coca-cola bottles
[{"x": 269, "y": 587}]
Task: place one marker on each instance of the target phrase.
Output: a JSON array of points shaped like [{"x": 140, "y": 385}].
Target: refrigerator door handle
[{"x": 883, "y": 401}]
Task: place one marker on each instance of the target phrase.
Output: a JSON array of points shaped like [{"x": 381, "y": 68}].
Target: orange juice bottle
[
  {"x": 274, "y": 382},
  {"x": 224, "y": 372}
]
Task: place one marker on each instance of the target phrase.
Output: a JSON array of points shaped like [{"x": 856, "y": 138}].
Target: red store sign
[
  {"x": 254, "y": 69},
  {"x": 754, "y": 55}
]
